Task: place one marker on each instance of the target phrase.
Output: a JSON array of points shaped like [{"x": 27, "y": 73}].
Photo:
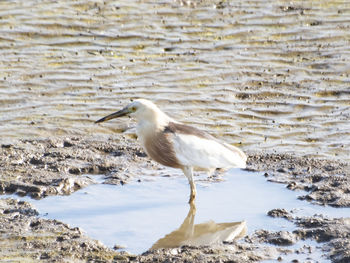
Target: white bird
[{"x": 177, "y": 145}]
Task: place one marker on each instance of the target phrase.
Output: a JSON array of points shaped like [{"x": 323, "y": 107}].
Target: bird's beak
[{"x": 117, "y": 114}]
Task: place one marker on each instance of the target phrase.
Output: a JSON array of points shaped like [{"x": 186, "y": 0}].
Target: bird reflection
[{"x": 207, "y": 233}]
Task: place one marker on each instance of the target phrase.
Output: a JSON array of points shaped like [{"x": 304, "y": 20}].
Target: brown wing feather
[
  {"x": 160, "y": 149},
  {"x": 174, "y": 127}
]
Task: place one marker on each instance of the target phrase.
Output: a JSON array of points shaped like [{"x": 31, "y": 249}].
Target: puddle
[{"x": 137, "y": 215}]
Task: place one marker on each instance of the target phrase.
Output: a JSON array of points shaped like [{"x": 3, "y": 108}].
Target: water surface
[
  {"x": 266, "y": 75},
  {"x": 138, "y": 214}
]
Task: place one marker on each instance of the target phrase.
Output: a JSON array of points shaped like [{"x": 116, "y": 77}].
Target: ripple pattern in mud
[{"x": 266, "y": 75}]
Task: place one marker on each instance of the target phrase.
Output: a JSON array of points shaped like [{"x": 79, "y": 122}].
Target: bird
[{"x": 174, "y": 144}]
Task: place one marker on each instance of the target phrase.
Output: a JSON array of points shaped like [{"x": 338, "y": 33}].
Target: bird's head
[{"x": 140, "y": 109}]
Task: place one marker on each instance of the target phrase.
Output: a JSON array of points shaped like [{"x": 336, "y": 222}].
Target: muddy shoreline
[{"x": 39, "y": 168}]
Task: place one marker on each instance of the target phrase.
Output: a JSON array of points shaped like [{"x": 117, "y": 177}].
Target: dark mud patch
[
  {"x": 333, "y": 234},
  {"x": 229, "y": 252},
  {"x": 325, "y": 182},
  {"x": 40, "y": 168},
  {"x": 24, "y": 237}
]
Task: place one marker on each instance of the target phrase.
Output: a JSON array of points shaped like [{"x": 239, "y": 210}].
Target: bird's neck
[{"x": 151, "y": 125}]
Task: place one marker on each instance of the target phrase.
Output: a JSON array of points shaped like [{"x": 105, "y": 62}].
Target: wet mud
[
  {"x": 324, "y": 182},
  {"x": 28, "y": 238},
  {"x": 272, "y": 76},
  {"x": 39, "y": 168}
]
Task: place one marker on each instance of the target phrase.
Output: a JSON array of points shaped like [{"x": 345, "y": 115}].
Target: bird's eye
[{"x": 133, "y": 109}]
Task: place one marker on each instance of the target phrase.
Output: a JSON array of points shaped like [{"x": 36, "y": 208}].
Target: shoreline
[{"x": 40, "y": 168}]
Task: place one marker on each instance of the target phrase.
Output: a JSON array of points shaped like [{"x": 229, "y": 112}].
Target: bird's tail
[{"x": 241, "y": 154}]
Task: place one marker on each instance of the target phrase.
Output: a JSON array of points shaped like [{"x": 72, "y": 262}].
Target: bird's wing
[{"x": 192, "y": 150}]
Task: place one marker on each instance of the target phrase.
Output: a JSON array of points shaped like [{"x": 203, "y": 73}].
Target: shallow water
[
  {"x": 138, "y": 214},
  {"x": 304, "y": 255},
  {"x": 271, "y": 76}
]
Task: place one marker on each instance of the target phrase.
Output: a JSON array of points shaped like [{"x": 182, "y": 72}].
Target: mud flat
[
  {"x": 28, "y": 238},
  {"x": 39, "y": 168},
  {"x": 325, "y": 182}
]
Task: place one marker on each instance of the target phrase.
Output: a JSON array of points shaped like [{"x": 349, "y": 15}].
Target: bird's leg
[{"x": 188, "y": 171}]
